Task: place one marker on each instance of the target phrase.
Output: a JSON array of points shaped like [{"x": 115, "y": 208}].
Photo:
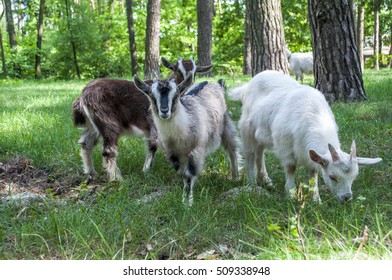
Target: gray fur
[
  {"x": 196, "y": 126},
  {"x": 109, "y": 108}
]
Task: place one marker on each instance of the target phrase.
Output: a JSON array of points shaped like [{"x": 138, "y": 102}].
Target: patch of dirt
[{"x": 19, "y": 175}]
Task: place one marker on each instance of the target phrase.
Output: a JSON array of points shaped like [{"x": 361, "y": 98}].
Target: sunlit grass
[{"x": 36, "y": 123}]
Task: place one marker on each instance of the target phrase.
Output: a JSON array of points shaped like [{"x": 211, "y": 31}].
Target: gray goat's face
[
  {"x": 340, "y": 170},
  {"x": 164, "y": 95}
]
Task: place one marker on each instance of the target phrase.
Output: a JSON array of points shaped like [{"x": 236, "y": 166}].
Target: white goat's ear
[
  {"x": 167, "y": 64},
  {"x": 318, "y": 159},
  {"x": 368, "y": 161},
  {"x": 353, "y": 151},
  {"x": 142, "y": 86},
  {"x": 203, "y": 69},
  {"x": 186, "y": 83},
  {"x": 334, "y": 154}
]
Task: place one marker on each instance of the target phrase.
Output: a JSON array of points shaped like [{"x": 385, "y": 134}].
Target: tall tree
[
  {"x": 10, "y": 23},
  {"x": 131, "y": 37},
  {"x": 204, "y": 32},
  {"x": 337, "y": 69},
  {"x": 247, "y": 70},
  {"x": 361, "y": 31},
  {"x": 2, "y": 49},
  {"x": 40, "y": 31},
  {"x": 151, "y": 62},
  {"x": 376, "y": 46},
  {"x": 267, "y": 36},
  {"x": 72, "y": 39}
]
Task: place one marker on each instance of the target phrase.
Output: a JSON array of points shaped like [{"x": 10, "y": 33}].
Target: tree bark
[
  {"x": 10, "y": 24},
  {"x": 151, "y": 62},
  {"x": 131, "y": 37},
  {"x": 337, "y": 69},
  {"x": 204, "y": 33},
  {"x": 361, "y": 32},
  {"x": 247, "y": 46},
  {"x": 267, "y": 36},
  {"x": 390, "y": 48},
  {"x": 376, "y": 46},
  {"x": 4, "y": 65},
  {"x": 40, "y": 30},
  {"x": 73, "y": 44}
]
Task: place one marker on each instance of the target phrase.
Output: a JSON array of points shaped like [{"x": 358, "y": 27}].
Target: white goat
[
  {"x": 300, "y": 63},
  {"x": 191, "y": 124},
  {"x": 296, "y": 122}
]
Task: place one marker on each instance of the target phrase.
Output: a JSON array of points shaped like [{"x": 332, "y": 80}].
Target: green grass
[{"x": 108, "y": 222}]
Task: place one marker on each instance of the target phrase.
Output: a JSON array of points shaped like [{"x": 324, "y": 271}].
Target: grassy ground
[{"x": 108, "y": 220}]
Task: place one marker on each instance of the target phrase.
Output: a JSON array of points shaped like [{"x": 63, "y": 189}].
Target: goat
[
  {"x": 191, "y": 123},
  {"x": 296, "y": 122},
  {"x": 300, "y": 63},
  {"x": 108, "y": 108}
]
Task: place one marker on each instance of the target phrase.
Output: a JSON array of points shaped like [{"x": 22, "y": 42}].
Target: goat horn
[
  {"x": 334, "y": 154},
  {"x": 353, "y": 151}
]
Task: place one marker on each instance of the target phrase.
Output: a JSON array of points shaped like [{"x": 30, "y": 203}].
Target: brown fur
[{"x": 108, "y": 108}]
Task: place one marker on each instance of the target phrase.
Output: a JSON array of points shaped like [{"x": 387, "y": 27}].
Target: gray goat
[
  {"x": 108, "y": 108},
  {"x": 192, "y": 122}
]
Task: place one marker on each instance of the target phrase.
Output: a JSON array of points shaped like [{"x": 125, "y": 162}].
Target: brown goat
[{"x": 108, "y": 108}]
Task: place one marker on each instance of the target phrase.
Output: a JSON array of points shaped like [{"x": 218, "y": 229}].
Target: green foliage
[
  {"x": 100, "y": 36},
  {"x": 296, "y": 25}
]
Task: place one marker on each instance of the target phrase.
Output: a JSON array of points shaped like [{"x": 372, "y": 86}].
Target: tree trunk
[
  {"x": 73, "y": 44},
  {"x": 204, "y": 33},
  {"x": 361, "y": 32},
  {"x": 247, "y": 46},
  {"x": 131, "y": 37},
  {"x": 92, "y": 5},
  {"x": 151, "y": 62},
  {"x": 40, "y": 30},
  {"x": 10, "y": 23},
  {"x": 337, "y": 69},
  {"x": 2, "y": 55},
  {"x": 4, "y": 65},
  {"x": 376, "y": 47},
  {"x": 267, "y": 36},
  {"x": 390, "y": 48}
]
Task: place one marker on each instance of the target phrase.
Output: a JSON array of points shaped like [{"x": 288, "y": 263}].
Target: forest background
[{"x": 95, "y": 33}]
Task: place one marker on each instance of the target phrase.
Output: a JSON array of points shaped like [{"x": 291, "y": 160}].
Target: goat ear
[
  {"x": 167, "y": 64},
  {"x": 368, "y": 161},
  {"x": 142, "y": 86},
  {"x": 334, "y": 154},
  {"x": 318, "y": 159},
  {"x": 186, "y": 83},
  {"x": 203, "y": 69}
]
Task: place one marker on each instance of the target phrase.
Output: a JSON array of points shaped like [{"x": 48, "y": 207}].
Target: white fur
[
  {"x": 296, "y": 122},
  {"x": 301, "y": 63}
]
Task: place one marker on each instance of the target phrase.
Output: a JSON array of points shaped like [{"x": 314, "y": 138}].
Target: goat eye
[{"x": 333, "y": 178}]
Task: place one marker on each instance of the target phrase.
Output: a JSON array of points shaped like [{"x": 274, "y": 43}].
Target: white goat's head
[
  {"x": 182, "y": 68},
  {"x": 164, "y": 95},
  {"x": 340, "y": 169}
]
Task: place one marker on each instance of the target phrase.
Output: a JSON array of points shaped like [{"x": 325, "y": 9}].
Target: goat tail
[
  {"x": 239, "y": 93},
  {"x": 79, "y": 118}
]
